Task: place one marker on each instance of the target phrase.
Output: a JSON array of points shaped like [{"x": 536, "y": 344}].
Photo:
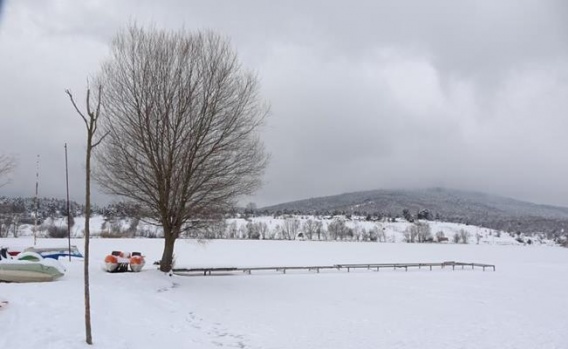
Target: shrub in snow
[
  {"x": 456, "y": 238},
  {"x": 464, "y": 236},
  {"x": 378, "y": 234},
  {"x": 374, "y": 234},
  {"x": 478, "y": 237},
  {"x": 365, "y": 236},
  {"x": 56, "y": 232}
]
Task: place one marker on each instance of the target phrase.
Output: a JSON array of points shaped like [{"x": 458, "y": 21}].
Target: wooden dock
[{"x": 338, "y": 267}]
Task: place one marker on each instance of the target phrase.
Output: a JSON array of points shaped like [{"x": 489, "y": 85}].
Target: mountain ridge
[{"x": 470, "y": 207}]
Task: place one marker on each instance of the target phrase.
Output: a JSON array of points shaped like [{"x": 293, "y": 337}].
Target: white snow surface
[{"x": 523, "y": 304}]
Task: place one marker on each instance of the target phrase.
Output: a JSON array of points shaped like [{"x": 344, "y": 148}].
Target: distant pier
[{"x": 338, "y": 267}]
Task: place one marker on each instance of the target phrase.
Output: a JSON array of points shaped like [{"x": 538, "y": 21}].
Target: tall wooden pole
[
  {"x": 91, "y": 125},
  {"x": 68, "y": 210}
]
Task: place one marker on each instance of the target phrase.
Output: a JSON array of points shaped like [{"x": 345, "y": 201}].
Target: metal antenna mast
[{"x": 36, "y": 203}]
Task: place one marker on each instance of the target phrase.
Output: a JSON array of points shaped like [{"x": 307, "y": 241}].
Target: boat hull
[
  {"x": 119, "y": 262},
  {"x": 27, "y": 271},
  {"x": 56, "y": 252}
]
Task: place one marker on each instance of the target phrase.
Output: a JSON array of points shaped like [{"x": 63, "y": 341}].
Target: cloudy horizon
[{"x": 366, "y": 95}]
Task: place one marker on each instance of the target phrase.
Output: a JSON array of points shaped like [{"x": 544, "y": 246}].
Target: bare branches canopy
[
  {"x": 183, "y": 119},
  {"x": 7, "y": 165}
]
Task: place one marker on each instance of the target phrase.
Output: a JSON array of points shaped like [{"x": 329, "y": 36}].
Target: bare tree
[
  {"x": 464, "y": 236},
  {"x": 357, "y": 232},
  {"x": 410, "y": 233},
  {"x": 320, "y": 231},
  {"x": 310, "y": 228},
  {"x": 291, "y": 228},
  {"x": 91, "y": 123},
  {"x": 263, "y": 230},
  {"x": 418, "y": 232},
  {"x": 232, "y": 230},
  {"x": 378, "y": 233},
  {"x": 337, "y": 229},
  {"x": 7, "y": 165},
  {"x": 183, "y": 122},
  {"x": 424, "y": 232}
]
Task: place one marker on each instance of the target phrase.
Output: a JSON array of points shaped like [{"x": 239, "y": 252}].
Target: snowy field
[{"x": 523, "y": 304}]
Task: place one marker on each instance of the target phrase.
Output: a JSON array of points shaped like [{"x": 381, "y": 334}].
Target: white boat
[
  {"x": 34, "y": 269},
  {"x": 56, "y": 252}
]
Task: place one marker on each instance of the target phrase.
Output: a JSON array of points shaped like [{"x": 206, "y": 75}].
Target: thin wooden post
[{"x": 68, "y": 209}]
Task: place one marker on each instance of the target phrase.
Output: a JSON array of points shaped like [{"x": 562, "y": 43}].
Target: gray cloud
[{"x": 364, "y": 95}]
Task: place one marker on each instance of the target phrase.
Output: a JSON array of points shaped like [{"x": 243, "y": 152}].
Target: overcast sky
[{"x": 364, "y": 94}]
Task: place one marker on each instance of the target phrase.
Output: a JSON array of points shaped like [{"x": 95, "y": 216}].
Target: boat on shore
[
  {"x": 56, "y": 252},
  {"x": 31, "y": 268},
  {"x": 120, "y": 261}
]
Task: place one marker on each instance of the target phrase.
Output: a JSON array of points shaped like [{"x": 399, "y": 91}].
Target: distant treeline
[{"x": 24, "y": 210}]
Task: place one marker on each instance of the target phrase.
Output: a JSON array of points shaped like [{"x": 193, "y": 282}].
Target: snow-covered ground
[{"x": 521, "y": 305}]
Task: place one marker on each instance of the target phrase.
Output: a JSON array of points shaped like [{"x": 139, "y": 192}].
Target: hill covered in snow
[{"x": 441, "y": 204}]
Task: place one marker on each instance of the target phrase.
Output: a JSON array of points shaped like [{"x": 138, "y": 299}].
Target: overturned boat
[
  {"x": 56, "y": 252},
  {"x": 119, "y": 262},
  {"x": 29, "y": 267}
]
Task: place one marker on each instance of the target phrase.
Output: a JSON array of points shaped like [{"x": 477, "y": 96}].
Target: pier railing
[{"x": 339, "y": 267}]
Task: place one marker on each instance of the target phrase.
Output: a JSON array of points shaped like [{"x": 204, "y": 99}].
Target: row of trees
[
  {"x": 289, "y": 229},
  {"x": 424, "y": 214},
  {"x": 421, "y": 232}
]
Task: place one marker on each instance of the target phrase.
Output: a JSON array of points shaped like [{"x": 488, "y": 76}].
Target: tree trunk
[
  {"x": 168, "y": 255},
  {"x": 89, "y": 338}
]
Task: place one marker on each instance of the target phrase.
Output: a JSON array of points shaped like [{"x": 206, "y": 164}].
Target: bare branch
[
  {"x": 101, "y": 139},
  {"x": 7, "y": 165},
  {"x": 75, "y": 106}
]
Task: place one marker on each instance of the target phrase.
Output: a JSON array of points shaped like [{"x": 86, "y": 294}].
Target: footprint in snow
[{"x": 218, "y": 332}]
